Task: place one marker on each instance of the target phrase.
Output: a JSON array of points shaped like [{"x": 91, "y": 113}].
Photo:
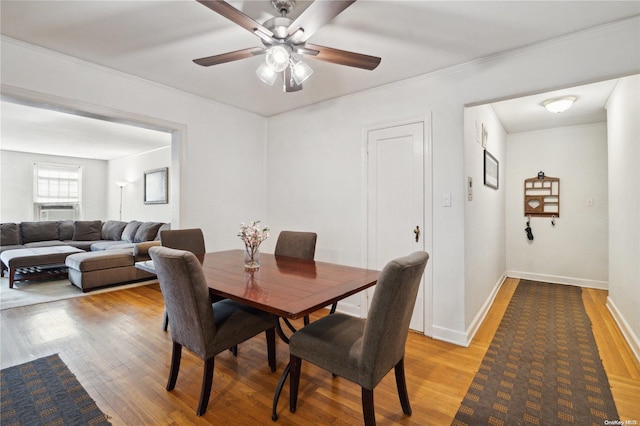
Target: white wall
[
  {"x": 219, "y": 156},
  {"x": 316, "y": 153},
  {"x": 484, "y": 242},
  {"x": 131, "y": 169},
  {"x": 623, "y": 111},
  {"x": 16, "y": 172},
  {"x": 575, "y": 250},
  {"x": 224, "y": 159}
]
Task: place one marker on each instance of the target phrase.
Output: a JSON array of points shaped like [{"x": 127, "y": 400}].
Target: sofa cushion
[
  {"x": 50, "y": 243},
  {"x": 9, "y": 234},
  {"x": 39, "y": 231},
  {"x": 96, "y": 260},
  {"x": 147, "y": 232},
  {"x": 109, "y": 244},
  {"x": 112, "y": 230},
  {"x": 65, "y": 229},
  {"x": 86, "y": 230},
  {"x": 129, "y": 232},
  {"x": 84, "y": 245}
]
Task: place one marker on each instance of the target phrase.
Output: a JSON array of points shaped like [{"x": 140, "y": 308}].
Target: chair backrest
[
  {"x": 296, "y": 244},
  {"x": 387, "y": 324},
  {"x": 184, "y": 239},
  {"x": 186, "y": 297}
]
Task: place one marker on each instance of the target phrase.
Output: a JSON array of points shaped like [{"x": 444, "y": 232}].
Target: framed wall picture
[
  {"x": 491, "y": 170},
  {"x": 156, "y": 189}
]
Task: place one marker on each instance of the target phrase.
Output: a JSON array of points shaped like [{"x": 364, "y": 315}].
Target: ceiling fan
[{"x": 285, "y": 41}]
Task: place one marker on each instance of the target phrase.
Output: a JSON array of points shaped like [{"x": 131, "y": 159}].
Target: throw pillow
[
  {"x": 9, "y": 235},
  {"x": 147, "y": 232},
  {"x": 129, "y": 232},
  {"x": 86, "y": 230},
  {"x": 164, "y": 227},
  {"x": 65, "y": 230},
  {"x": 39, "y": 231},
  {"x": 112, "y": 230}
]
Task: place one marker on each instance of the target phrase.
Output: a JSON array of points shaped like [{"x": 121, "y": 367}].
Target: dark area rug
[
  {"x": 45, "y": 392},
  {"x": 542, "y": 367}
]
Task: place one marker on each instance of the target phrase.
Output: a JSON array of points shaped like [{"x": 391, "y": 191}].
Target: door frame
[{"x": 427, "y": 281}]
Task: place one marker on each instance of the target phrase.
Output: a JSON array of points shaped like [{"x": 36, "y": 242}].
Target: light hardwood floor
[{"x": 114, "y": 344}]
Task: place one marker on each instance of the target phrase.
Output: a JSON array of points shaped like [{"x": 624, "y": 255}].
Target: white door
[{"x": 395, "y": 200}]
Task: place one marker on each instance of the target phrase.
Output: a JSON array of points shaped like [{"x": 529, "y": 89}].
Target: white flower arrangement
[{"x": 253, "y": 235}]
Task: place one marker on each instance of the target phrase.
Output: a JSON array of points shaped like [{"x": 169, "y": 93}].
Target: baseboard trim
[
  {"x": 479, "y": 318},
  {"x": 464, "y": 339},
  {"x": 627, "y": 332},
  {"x": 556, "y": 279},
  {"x": 450, "y": 336}
]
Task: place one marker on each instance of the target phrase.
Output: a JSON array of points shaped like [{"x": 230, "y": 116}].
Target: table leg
[
  {"x": 281, "y": 332},
  {"x": 276, "y": 397}
]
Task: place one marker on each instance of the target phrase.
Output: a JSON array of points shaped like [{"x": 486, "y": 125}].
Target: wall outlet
[{"x": 469, "y": 188}]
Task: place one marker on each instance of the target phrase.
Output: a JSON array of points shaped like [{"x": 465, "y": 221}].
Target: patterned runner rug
[
  {"x": 45, "y": 392},
  {"x": 542, "y": 367}
]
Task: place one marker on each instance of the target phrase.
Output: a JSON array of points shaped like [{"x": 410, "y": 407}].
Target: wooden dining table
[{"x": 285, "y": 286}]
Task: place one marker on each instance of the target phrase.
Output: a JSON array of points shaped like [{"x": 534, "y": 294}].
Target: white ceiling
[
  {"x": 157, "y": 40},
  {"x": 32, "y": 129}
]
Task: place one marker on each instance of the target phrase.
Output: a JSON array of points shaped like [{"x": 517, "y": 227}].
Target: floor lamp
[{"x": 121, "y": 184}]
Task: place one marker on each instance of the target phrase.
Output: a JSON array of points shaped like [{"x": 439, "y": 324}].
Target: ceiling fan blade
[
  {"x": 342, "y": 57},
  {"x": 234, "y": 15},
  {"x": 315, "y": 16},
  {"x": 289, "y": 84},
  {"x": 229, "y": 57}
]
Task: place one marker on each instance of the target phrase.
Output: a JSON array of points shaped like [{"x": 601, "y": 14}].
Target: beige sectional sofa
[{"x": 96, "y": 253}]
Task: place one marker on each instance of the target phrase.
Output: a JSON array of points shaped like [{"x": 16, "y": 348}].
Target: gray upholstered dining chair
[
  {"x": 182, "y": 239},
  {"x": 365, "y": 350},
  {"x": 301, "y": 245},
  {"x": 205, "y": 329}
]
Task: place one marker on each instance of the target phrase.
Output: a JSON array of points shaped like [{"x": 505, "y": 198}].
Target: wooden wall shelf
[{"x": 542, "y": 197}]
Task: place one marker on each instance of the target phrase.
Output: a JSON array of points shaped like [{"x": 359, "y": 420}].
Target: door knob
[{"x": 417, "y": 232}]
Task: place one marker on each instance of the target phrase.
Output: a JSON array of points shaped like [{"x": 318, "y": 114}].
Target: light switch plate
[{"x": 446, "y": 199}]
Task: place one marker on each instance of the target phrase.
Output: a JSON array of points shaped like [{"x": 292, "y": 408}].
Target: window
[{"x": 57, "y": 191}]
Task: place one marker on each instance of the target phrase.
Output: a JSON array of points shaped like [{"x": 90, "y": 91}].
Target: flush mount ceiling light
[
  {"x": 561, "y": 104},
  {"x": 285, "y": 40}
]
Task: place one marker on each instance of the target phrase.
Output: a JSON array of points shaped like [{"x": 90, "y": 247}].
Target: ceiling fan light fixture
[
  {"x": 300, "y": 71},
  {"x": 278, "y": 57},
  {"x": 558, "y": 105},
  {"x": 266, "y": 74}
]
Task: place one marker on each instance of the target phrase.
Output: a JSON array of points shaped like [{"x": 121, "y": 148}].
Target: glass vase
[{"x": 252, "y": 259}]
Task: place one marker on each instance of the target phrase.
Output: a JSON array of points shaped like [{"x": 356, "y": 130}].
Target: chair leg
[
  {"x": 402, "y": 387},
  {"x": 176, "y": 354},
  {"x": 333, "y": 308},
  {"x": 295, "y": 365},
  {"x": 165, "y": 323},
  {"x": 367, "y": 407},
  {"x": 271, "y": 348},
  {"x": 234, "y": 350},
  {"x": 306, "y": 320},
  {"x": 207, "y": 381}
]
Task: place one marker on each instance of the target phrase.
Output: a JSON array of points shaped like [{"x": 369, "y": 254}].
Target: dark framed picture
[
  {"x": 491, "y": 170},
  {"x": 156, "y": 189}
]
